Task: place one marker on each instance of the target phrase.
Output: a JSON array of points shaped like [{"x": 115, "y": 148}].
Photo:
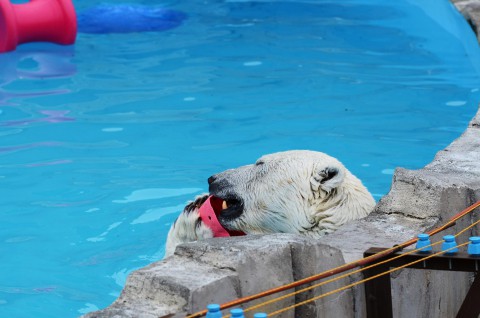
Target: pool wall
[{"x": 220, "y": 270}]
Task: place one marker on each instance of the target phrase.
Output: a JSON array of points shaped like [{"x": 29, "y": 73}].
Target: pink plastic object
[
  {"x": 209, "y": 218},
  {"x": 37, "y": 21}
]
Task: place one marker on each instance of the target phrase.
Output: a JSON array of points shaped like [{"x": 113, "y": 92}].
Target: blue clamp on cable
[
  {"x": 237, "y": 313},
  {"x": 424, "y": 241},
  {"x": 474, "y": 246},
  {"x": 213, "y": 311},
  {"x": 449, "y": 244},
  {"x": 260, "y": 315}
]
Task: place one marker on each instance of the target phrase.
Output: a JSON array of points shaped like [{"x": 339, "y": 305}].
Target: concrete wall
[{"x": 223, "y": 269}]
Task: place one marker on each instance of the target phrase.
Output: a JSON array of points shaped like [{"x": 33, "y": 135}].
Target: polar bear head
[{"x": 302, "y": 192}]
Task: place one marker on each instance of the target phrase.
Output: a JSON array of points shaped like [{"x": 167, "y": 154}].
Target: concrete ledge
[{"x": 223, "y": 269}]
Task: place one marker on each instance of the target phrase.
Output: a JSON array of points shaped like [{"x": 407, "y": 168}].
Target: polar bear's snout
[{"x": 233, "y": 204}]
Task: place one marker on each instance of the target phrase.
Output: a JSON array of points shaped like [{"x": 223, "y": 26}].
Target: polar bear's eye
[{"x": 259, "y": 162}]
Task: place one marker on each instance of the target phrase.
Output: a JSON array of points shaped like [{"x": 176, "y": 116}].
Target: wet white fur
[
  {"x": 185, "y": 230},
  {"x": 285, "y": 192}
]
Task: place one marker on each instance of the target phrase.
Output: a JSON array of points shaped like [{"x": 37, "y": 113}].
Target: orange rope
[
  {"x": 337, "y": 278},
  {"x": 354, "y": 272},
  {"x": 467, "y": 228},
  {"x": 342, "y": 268},
  {"x": 363, "y": 280}
]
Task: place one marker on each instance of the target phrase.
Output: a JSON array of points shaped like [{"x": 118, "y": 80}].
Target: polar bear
[{"x": 299, "y": 191}]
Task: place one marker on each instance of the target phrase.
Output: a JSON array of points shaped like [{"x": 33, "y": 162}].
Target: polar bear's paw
[{"x": 188, "y": 226}]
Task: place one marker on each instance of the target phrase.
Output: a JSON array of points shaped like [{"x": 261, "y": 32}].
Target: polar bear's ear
[{"x": 326, "y": 178}]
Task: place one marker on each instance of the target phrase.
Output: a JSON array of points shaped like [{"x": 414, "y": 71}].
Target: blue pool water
[{"x": 102, "y": 143}]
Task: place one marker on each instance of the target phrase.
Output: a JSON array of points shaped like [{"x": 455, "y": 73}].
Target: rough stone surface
[
  {"x": 169, "y": 287},
  {"x": 259, "y": 263},
  {"x": 310, "y": 257},
  {"x": 471, "y": 11},
  {"x": 223, "y": 269},
  {"x": 220, "y": 270},
  {"x": 217, "y": 270}
]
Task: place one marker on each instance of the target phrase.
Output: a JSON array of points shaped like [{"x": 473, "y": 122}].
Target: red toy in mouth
[{"x": 208, "y": 213}]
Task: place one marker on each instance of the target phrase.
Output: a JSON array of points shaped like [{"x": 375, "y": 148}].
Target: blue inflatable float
[{"x": 125, "y": 18}]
